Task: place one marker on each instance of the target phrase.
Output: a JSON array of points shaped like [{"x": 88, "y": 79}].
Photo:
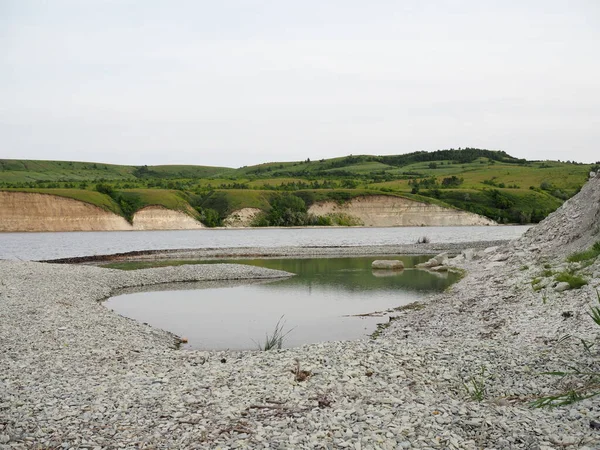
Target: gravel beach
[{"x": 458, "y": 372}]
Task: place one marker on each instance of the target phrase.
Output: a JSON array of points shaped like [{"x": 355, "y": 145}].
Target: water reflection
[{"x": 318, "y": 303}]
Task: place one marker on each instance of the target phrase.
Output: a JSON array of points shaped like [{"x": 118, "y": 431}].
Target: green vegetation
[
  {"x": 274, "y": 341},
  {"x": 575, "y": 281},
  {"x": 586, "y": 255},
  {"x": 476, "y": 385},
  {"x": 583, "y": 383},
  {"x": 487, "y": 182}
]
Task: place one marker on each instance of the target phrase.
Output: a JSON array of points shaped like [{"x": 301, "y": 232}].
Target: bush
[{"x": 105, "y": 189}]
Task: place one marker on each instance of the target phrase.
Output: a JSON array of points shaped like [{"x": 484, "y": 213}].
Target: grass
[
  {"x": 91, "y": 197},
  {"x": 591, "y": 253},
  {"x": 476, "y": 385},
  {"x": 588, "y": 380},
  {"x": 274, "y": 341},
  {"x": 219, "y": 188},
  {"x": 575, "y": 281}
]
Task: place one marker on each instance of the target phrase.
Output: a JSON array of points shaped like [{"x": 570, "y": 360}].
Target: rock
[
  {"x": 500, "y": 257},
  {"x": 387, "y": 264},
  {"x": 442, "y": 258},
  {"x": 468, "y": 254},
  {"x": 490, "y": 250},
  {"x": 562, "y": 286}
]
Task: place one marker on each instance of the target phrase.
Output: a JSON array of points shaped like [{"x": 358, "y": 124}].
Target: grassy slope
[
  {"x": 92, "y": 197},
  {"x": 13, "y": 170},
  {"x": 171, "y": 199},
  {"x": 218, "y": 185}
]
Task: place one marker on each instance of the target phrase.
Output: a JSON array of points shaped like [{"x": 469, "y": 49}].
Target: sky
[{"x": 241, "y": 82}]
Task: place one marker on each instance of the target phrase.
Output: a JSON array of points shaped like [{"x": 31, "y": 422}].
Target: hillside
[{"x": 489, "y": 183}]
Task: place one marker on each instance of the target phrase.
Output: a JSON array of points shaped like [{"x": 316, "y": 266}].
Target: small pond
[{"x": 323, "y": 302}]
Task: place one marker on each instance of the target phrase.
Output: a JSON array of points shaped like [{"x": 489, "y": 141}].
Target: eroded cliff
[
  {"x": 25, "y": 211},
  {"x": 387, "y": 211}
]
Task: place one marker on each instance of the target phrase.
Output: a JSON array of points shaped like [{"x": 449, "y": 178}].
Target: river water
[{"x": 39, "y": 246}]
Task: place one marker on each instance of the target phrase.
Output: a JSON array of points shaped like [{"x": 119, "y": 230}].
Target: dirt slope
[
  {"x": 385, "y": 211},
  {"x": 161, "y": 218},
  {"x": 24, "y": 211}
]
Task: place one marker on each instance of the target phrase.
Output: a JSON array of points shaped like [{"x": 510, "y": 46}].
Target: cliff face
[
  {"x": 386, "y": 211},
  {"x": 241, "y": 218},
  {"x": 23, "y": 211},
  {"x": 160, "y": 218}
]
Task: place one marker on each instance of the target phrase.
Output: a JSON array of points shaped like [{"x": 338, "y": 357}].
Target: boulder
[
  {"x": 562, "y": 286},
  {"x": 387, "y": 264},
  {"x": 442, "y": 258},
  {"x": 429, "y": 264}
]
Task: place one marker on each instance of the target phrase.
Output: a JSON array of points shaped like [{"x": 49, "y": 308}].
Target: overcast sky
[{"x": 234, "y": 83}]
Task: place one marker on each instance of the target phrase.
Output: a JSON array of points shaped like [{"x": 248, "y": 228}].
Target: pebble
[{"x": 75, "y": 375}]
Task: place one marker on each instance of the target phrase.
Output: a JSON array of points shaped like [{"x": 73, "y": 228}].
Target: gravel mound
[{"x": 458, "y": 371}]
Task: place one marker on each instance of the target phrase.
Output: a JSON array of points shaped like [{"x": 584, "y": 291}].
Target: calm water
[
  {"x": 316, "y": 304},
  {"x": 37, "y": 246}
]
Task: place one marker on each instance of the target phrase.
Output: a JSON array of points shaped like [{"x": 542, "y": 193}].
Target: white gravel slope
[{"x": 75, "y": 375}]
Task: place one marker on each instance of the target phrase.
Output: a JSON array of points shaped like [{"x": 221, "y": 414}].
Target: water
[
  {"x": 319, "y": 304},
  {"x": 39, "y": 246}
]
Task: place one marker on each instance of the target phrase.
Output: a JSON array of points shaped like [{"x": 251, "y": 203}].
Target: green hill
[{"x": 488, "y": 182}]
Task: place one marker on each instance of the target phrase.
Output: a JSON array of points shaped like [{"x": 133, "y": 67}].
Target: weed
[
  {"x": 591, "y": 253},
  {"x": 547, "y": 266},
  {"x": 475, "y": 387},
  {"x": 575, "y": 281},
  {"x": 589, "y": 381},
  {"x": 524, "y": 268},
  {"x": 275, "y": 340},
  {"x": 547, "y": 273}
]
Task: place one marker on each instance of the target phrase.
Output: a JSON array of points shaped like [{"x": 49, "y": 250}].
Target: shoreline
[
  {"x": 82, "y": 364},
  {"x": 281, "y": 252},
  {"x": 458, "y": 372}
]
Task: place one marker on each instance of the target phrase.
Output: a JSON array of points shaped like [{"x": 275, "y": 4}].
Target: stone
[
  {"x": 387, "y": 264},
  {"x": 562, "y": 286},
  {"x": 468, "y": 254},
  {"x": 442, "y": 258}
]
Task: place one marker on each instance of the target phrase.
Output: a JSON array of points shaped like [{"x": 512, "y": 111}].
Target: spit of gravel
[{"x": 75, "y": 375}]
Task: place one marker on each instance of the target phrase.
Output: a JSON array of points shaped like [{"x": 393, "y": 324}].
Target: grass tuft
[
  {"x": 586, "y": 255},
  {"x": 575, "y": 281},
  {"x": 589, "y": 380},
  {"x": 475, "y": 387},
  {"x": 275, "y": 340}
]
